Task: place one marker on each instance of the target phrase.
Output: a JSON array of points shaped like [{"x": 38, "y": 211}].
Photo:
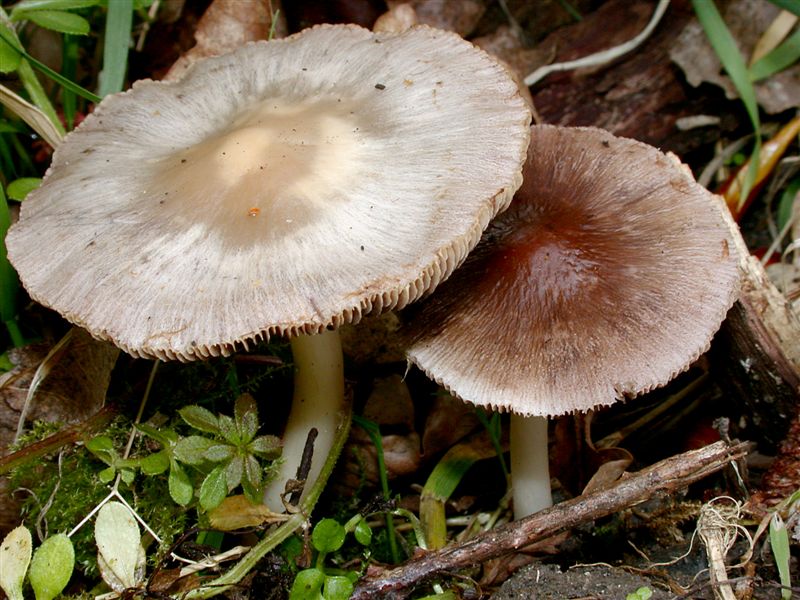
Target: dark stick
[
  {"x": 669, "y": 475},
  {"x": 304, "y": 467}
]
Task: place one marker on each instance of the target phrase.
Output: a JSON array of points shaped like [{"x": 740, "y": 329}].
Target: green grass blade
[
  {"x": 69, "y": 67},
  {"x": 732, "y": 61},
  {"x": 115, "y": 51},
  {"x": 9, "y": 284},
  {"x": 778, "y": 59},
  {"x": 779, "y": 540}
]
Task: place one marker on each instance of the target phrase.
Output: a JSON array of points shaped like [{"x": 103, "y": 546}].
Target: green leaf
[
  {"x": 779, "y": 541},
  {"x": 20, "y": 188},
  {"x": 363, "y": 533},
  {"x": 190, "y": 449},
  {"x": 213, "y": 489},
  {"x": 180, "y": 487},
  {"x": 10, "y": 56},
  {"x": 785, "y": 55},
  {"x": 51, "y": 567},
  {"x": 106, "y": 475},
  {"x": 126, "y": 475},
  {"x": 245, "y": 414},
  {"x": 229, "y": 430},
  {"x": 28, "y": 5},
  {"x": 118, "y": 542},
  {"x": 15, "y": 556},
  {"x": 307, "y": 585},
  {"x": 115, "y": 50},
  {"x": 265, "y": 446},
  {"x": 200, "y": 418},
  {"x": 786, "y": 203},
  {"x": 163, "y": 436},
  {"x": 252, "y": 471},
  {"x": 218, "y": 453},
  {"x": 55, "y": 20},
  {"x": 155, "y": 464},
  {"x": 337, "y": 587},
  {"x": 328, "y": 536},
  {"x": 233, "y": 472}
]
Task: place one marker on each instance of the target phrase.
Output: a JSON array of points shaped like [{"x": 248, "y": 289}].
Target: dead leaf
[
  {"x": 237, "y": 512},
  {"x": 226, "y": 25},
  {"x": 747, "y": 20}
]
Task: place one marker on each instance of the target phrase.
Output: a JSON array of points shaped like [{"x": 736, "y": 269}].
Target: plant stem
[
  {"x": 318, "y": 403},
  {"x": 530, "y": 469},
  {"x": 294, "y": 522}
]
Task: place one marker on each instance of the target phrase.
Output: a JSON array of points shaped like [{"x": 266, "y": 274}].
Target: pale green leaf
[
  {"x": 15, "y": 556},
  {"x": 779, "y": 540},
  {"x": 51, "y": 567},
  {"x": 115, "y": 50},
  {"x": 218, "y": 453},
  {"x": 155, "y": 464},
  {"x": 118, "y": 542},
  {"x": 337, "y": 587}
]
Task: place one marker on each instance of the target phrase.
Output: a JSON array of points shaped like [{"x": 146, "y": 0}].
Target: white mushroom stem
[
  {"x": 530, "y": 469},
  {"x": 318, "y": 402}
]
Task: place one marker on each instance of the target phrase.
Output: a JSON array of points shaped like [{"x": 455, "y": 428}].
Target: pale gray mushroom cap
[
  {"x": 606, "y": 277},
  {"x": 284, "y": 188}
]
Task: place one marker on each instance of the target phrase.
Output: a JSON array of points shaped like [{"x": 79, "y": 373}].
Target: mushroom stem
[
  {"x": 530, "y": 468},
  {"x": 319, "y": 403}
]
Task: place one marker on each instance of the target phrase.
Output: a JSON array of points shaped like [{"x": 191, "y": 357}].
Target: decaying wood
[
  {"x": 758, "y": 347},
  {"x": 667, "y": 476}
]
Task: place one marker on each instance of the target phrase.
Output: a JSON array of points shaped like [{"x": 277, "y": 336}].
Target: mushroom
[
  {"x": 607, "y": 276},
  {"x": 285, "y": 188}
]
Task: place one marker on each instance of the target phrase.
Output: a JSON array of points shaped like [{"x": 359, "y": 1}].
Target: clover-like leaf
[
  {"x": 363, "y": 533},
  {"x": 200, "y": 418},
  {"x": 328, "y": 536},
  {"x": 307, "y": 585},
  {"x": 337, "y": 587}
]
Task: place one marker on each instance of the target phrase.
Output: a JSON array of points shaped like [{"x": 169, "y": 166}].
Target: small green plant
[
  {"x": 227, "y": 457},
  {"x": 643, "y": 593},
  {"x": 320, "y": 582}
]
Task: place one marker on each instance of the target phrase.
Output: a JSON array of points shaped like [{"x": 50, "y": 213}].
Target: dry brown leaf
[
  {"x": 226, "y": 25},
  {"x": 237, "y": 512},
  {"x": 747, "y": 21}
]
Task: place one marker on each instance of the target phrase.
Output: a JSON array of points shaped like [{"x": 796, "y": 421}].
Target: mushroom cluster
[
  {"x": 607, "y": 276},
  {"x": 285, "y": 188}
]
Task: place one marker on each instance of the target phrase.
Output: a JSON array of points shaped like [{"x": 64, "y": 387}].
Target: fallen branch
[{"x": 669, "y": 475}]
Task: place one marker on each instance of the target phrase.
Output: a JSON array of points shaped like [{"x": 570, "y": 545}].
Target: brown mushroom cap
[
  {"x": 607, "y": 276},
  {"x": 284, "y": 188}
]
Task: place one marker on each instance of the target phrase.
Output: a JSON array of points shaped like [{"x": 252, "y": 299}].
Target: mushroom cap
[
  {"x": 606, "y": 277},
  {"x": 285, "y": 188}
]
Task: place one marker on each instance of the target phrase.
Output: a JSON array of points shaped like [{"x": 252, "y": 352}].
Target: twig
[
  {"x": 669, "y": 475},
  {"x": 604, "y": 57}
]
